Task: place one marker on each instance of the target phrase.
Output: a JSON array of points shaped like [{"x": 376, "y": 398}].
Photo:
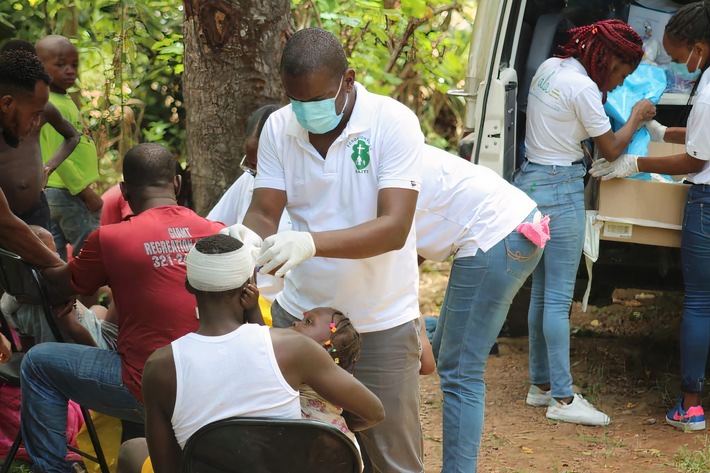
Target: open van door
[{"x": 491, "y": 86}]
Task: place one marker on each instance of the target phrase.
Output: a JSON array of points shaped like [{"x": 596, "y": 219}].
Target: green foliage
[
  {"x": 693, "y": 460},
  {"x": 412, "y": 50},
  {"x": 130, "y": 55},
  {"x": 131, "y": 60}
]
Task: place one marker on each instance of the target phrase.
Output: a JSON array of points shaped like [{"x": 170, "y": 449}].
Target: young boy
[{"x": 74, "y": 206}]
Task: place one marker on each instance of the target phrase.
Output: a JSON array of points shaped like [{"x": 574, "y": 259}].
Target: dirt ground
[{"x": 624, "y": 357}]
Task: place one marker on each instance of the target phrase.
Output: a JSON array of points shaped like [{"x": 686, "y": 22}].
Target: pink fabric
[
  {"x": 10, "y": 422},
  {"x": 537, "y": 232}
]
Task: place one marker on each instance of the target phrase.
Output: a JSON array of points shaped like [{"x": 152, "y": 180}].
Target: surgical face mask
[
  {"x": 680, "y": 71},
  {"x": 319, "y": 117}
]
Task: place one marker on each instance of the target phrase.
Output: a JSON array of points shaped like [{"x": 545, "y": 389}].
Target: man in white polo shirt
[{"x": 345, "y": 164}]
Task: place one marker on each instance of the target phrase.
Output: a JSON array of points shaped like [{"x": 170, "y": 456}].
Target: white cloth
[
  {"x": 564, "y": 108},
  {"x": 219, "y": 272},
  {"x": 697, "y": 138},
  {"x": 380, "y": 148},
  {"x": 233, "y": 205},
  {"x": 231, "y": 209},
  {"x": 463, "y": 207},
  {"x": 230, "y": 375},
  {"x": 592, "y": 232}
]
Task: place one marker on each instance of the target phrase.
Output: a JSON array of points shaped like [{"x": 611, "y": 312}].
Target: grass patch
[{"x": 693, "y": 461}]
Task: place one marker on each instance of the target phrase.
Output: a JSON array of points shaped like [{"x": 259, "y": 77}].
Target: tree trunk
[{"x": 232, "y": 54}]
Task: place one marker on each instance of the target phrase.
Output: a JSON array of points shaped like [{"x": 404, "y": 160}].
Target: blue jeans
[
  {"x": 53, "y": 373},
  {"x": 559, "y": 193},
  {"x": 71, "y": 221},
  {"x": 695, "y": 257},
  {"x": 480, "y": 291}
]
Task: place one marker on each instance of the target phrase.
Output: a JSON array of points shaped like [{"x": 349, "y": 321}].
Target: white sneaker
[
  {"x": 579, "y": 411},
  {"x": 539, "y": 398}
]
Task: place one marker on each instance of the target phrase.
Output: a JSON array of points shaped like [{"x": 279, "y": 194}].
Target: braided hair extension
[
  {"x": 690, "y": 24},
  {"x": 344, "y": 342},
  {"x": 594, "y": 45}
]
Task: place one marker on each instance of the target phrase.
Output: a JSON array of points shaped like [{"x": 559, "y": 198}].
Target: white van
[{"x": 510, "y": 39}]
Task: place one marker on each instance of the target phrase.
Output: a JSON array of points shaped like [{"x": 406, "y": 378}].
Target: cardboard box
[{"x": 646, "y": 212}]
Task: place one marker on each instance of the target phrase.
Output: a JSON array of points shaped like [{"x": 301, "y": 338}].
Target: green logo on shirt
[{"x": 361, "y": 155}]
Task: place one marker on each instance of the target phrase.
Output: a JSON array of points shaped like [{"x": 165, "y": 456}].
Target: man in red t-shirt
[{"x": 143, "y": 260}]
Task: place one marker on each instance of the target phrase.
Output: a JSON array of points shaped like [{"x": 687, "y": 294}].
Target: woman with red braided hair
[
  {"x": 687, "y": 42},
  {"x": 565, "y": 107}
]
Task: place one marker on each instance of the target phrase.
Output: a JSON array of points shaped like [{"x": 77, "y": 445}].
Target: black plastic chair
[
  {"x": 256, "y": 445},
  {"x": 24, "y": 282}
]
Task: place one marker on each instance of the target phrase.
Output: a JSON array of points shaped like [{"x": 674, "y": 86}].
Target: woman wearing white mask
[{"x": 687, "y": 41}]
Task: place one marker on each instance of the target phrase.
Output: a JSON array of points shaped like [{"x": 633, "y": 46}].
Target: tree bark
[{"x": 232, "y": 54}]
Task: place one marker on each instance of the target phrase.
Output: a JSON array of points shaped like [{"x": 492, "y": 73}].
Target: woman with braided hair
[
  {"x": 565, "y": 107},
  {"x": 687, "y": 41}
]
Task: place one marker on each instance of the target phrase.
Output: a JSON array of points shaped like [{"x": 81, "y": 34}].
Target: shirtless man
[
  {"x": 24, "y": 91},
  {"x": 22, "y": 174}
]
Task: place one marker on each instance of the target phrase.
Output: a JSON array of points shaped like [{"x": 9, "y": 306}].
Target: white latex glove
[
  {"x": 244, "y": 234},
  {"x": 288, "y": 248},
  {"x": 625, "y": 165},
  {"x": 656, "y": 130}
]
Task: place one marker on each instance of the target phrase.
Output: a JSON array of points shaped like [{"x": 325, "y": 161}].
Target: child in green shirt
[{"x": 74, "y": 206}]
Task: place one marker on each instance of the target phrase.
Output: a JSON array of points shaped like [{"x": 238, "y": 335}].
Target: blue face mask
[
  {"x": 680, "y": 71},
  {"x": 319, "y": 117}
]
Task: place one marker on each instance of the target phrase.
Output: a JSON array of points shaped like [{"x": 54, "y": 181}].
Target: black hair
[
  {"x": 18, "y": 45},
  {"x": 218, "y": 244},
  {"x": 311, "y": 50},
  {"x": 344, "y": 343},
  {"x": 690, "y": 24},
  {"x": 148, "y": 164},
  {"x": 256, "y": 120},
  {"x": 21, "y": 70}
]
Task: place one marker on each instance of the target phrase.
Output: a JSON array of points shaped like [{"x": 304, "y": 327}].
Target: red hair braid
[{"x": 594, "y": 45}]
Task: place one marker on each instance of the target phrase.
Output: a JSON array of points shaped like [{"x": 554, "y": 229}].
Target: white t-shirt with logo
[
  {"x": 697, "y": 137},
  {"x": 463, "y": 207},
  {"x": 380, "y": 148},
  {"x": 564, "y": 109}
]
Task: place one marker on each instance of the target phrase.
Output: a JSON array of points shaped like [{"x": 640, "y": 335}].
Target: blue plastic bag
[{"x": 646, "y": 82}]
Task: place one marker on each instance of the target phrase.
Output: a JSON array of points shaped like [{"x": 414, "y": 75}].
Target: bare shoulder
[
  {"x": 160, "y": 365},
  {"x": 290, "y": 346},
  {"x": 287, "y": 339},
  {"x": 51, "y": 114}
]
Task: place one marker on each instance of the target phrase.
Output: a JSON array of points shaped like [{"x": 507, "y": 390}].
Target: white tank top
[{"x": 230, "y": 375}]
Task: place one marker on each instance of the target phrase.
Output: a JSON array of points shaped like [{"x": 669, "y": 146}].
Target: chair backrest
[
  {"x": 254, "y": 445},
  {"x": 24, "y": 282}
]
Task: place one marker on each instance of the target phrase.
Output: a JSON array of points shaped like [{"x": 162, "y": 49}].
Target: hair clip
[
  {"x": 333, "y": 328},
  {"x": 327, "y": 343},
  {"x": 594, "y": 30},
  {"x": 333, "y": 350},
  {"x": 337, "y": 361}
]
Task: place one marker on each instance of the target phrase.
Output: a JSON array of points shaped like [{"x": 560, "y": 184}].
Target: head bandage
[{"x": 219, "y": 272}]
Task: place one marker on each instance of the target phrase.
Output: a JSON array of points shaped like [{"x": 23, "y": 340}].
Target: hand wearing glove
[
  {"x": 625, "y": 165},
  {"x": 244, "y": 234},
  {"x": 657, "y": 131},
  {"x": 285, "y": 251}
]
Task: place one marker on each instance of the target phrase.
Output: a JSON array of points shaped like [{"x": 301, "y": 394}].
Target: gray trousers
[{"x": 389, "y": 367}]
